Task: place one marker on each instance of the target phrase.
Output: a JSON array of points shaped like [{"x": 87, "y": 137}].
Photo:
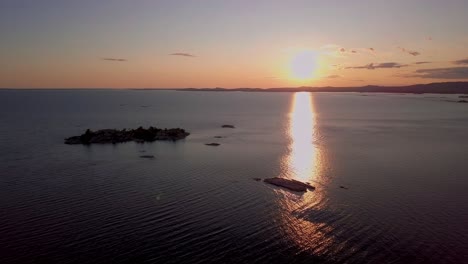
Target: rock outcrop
[
  {"x": 289, "y": 184},
  {"x": 147, "y": 156},
  {"x": 106, "y": 136},
  {"x": 213, "y": 144}
]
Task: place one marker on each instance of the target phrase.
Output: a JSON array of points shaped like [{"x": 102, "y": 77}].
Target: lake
[{"x": 390, "y": 171}]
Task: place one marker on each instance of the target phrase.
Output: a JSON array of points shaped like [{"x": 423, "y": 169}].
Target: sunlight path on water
[{"x": 301, "y": 214}]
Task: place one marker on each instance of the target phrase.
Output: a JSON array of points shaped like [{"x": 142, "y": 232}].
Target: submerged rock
[
  {"x": 147, "y": 156},
  {"x": 289, "y": 184},
  {"x": 257, "y": 179},
  {"x": 228, "y": 126},
  {"x": 105, "y": 136},
  {"x": 219, "y": 137},
  {"x": 463, "y": 101},
  {"x": 213, "y": 144}
]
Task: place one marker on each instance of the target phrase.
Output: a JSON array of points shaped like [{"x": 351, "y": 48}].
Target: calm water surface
[{"x": 390, "y": 173}]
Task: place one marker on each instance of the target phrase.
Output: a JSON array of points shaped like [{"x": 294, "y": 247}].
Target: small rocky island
[
  {"x": 106, "y": 136},
  {"x": 289, "y": 184},
  {"x": 213, "y": 144}
]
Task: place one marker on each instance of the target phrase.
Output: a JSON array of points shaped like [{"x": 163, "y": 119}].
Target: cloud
[
  {"x": 461, "y": 62},
  {"x": 343, "y": 50},
  {"x": 182, "y": 54},
  {"x": 411, "y": 52},
  {"x": 441, "y": 73},
  {"x": 422, "y": 62},
  {"x": 334, "y": 76},
  {"x": 114, "y": 59},
  {"x": 385, "y": 65}
]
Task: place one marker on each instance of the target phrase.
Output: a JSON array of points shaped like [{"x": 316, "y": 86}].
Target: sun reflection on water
[
  {"x": 302, "y": 157},
  {"x": 304, "y": 162}
]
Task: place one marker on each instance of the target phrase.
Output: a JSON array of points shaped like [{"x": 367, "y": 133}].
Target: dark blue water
[{"x": 390, "y": 173}]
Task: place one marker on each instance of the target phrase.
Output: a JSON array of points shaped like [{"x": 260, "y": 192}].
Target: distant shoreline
[{"x": 435, "y": 88}]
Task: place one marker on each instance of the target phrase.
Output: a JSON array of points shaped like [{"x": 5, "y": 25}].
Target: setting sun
[{"x": 304, "y": 65}]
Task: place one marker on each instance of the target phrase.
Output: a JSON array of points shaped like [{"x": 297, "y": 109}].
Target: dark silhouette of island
[
  {"x": 140, "y": 134},
  {"x": 438, "y": 88}
]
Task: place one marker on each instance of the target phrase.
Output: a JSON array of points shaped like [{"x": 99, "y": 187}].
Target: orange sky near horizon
[{"x": 233, "y": 44}]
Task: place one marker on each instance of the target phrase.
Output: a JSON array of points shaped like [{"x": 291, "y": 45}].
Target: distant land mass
[{"x": 438, "y": 88}]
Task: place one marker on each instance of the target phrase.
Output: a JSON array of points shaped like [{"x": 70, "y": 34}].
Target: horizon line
[{"x": 223, "y": 88}]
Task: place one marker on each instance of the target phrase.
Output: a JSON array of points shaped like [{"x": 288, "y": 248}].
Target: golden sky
[{"x": 232, "y": 44}]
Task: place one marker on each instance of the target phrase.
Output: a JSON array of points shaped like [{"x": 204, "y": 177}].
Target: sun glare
[{"x": 304, "y": 65}]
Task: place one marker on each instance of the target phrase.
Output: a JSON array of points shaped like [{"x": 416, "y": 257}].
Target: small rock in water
[
  {"x": 147, "y": 156},
  {"x": 213, "y": 144},
  {"x": 463, "y": 101},
  {"x": 228, "y": 126},
  {"x": 219, "y": 137},
  {"x": 292, "y": 185},
  {"x": 257, "y": 179},
  {"x": 342, "y": 187}
]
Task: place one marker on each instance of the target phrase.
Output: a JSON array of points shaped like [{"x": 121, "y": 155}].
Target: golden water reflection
[{"x": 304, "y": 162}]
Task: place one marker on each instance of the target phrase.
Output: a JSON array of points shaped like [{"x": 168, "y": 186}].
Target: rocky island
[
  {"x": 140, "y": 134},
  {"x": 289, "y": 184}
]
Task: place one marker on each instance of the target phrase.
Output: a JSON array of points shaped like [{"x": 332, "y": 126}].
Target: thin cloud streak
[
  {"x": 114, "y": 59},
  {"x": 461, "y": 62},
  {"x": 183, "y": 54},
  {"x": 373, "y": 66},
  {"x": 441, "y": 73}
]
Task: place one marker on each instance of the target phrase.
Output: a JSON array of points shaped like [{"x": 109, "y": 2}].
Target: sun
[{"x": 304, "y": 65}]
